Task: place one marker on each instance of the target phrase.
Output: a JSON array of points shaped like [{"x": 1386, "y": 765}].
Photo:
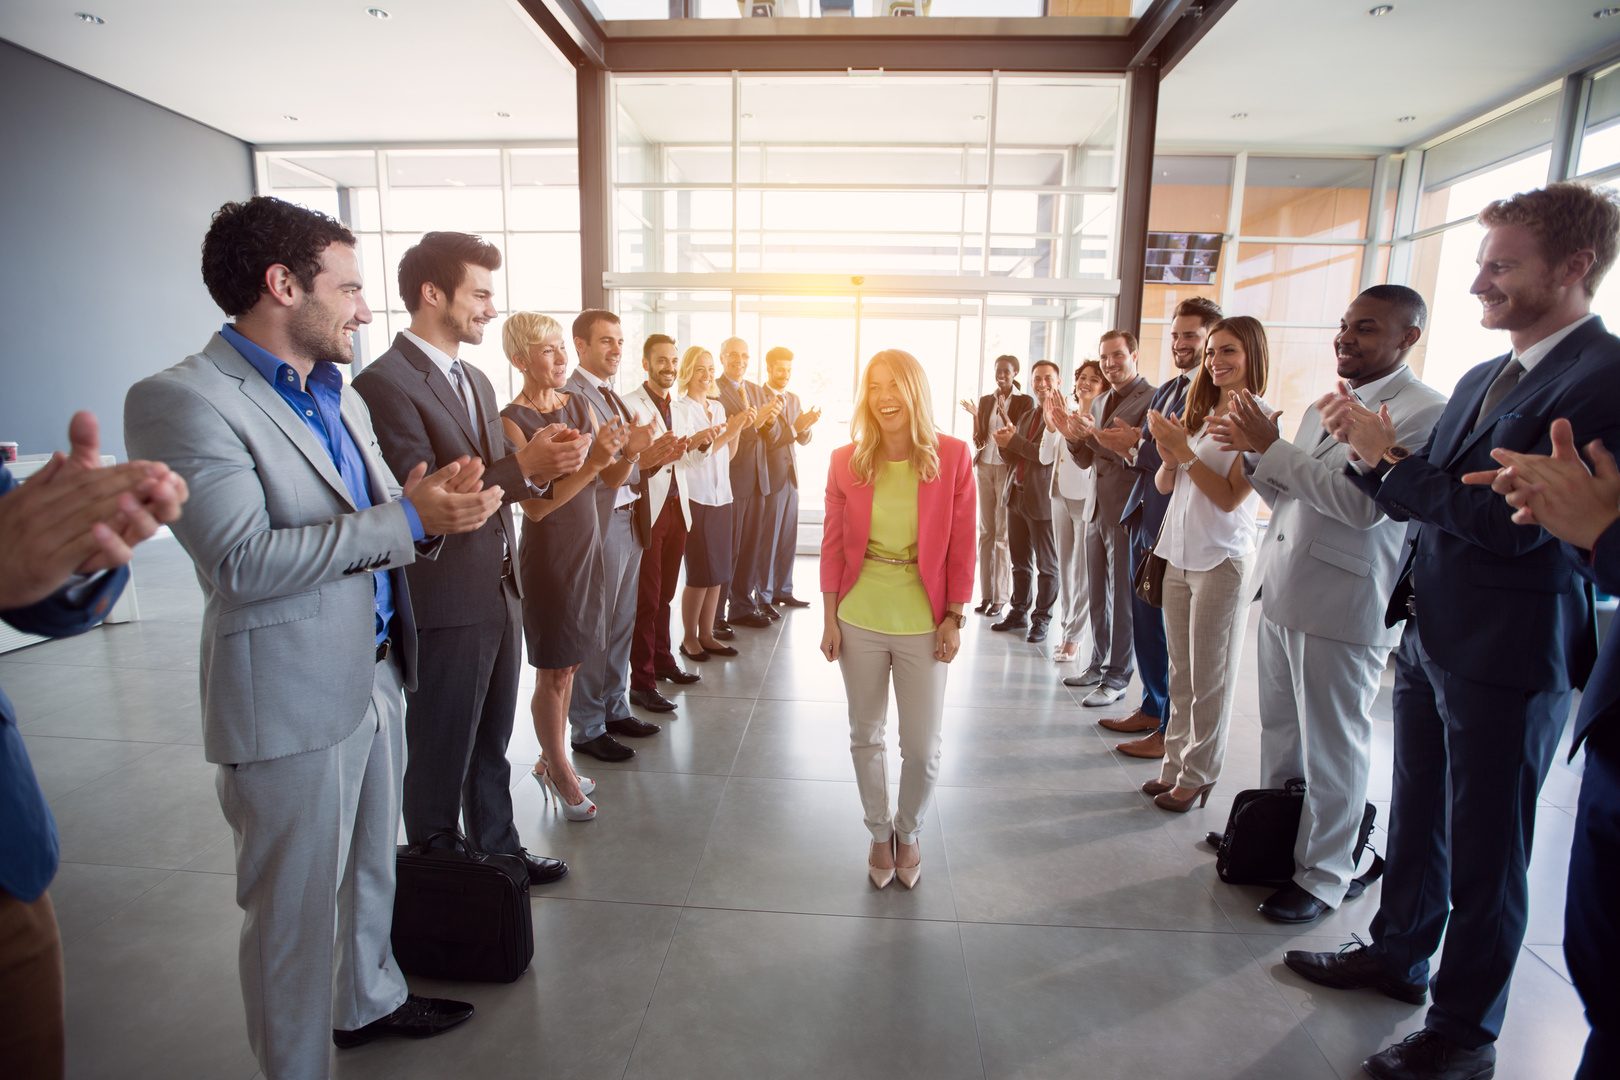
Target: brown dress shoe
[
  {"x": 1148, "y": 746},
  {"x": 1138, "y": 721}
]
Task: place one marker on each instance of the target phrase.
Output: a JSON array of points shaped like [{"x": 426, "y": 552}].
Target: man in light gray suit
[
  {"x": 1108, "y": 542},
  {"x": 791, "y": 430},
  {"x": 299, "y": 533},
  {"x": 1328, "y": 564},
  {"x": 600, "y": 705},
  {"x": 430, "y": 405}
]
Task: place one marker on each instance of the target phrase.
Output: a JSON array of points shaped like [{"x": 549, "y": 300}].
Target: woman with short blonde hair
[{"x": 897, "y": 559}]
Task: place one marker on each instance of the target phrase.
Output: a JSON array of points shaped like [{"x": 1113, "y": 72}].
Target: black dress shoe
[
  {"x": 1353, "y": 967},
  {"x": 1428, "y": 1055},
  {"x": 1013, "y": 621},
  {"x": 723, "y": 632},
  {"x": 992, "y": 611},
  {"x": 792, "y": 601},
  {"x": 756, "y": 619},
  {"x": 771, "y": 613},
  {"x": 1037, "y": 632},
  {"x": 604, "y": 748},
  {"x": 1292, "y": 904},
  {"x": 1089, "y": 677},
  {"x": 678, "y": 677},
  {"x": 633, "y": 727},
  {"x": 979, "y": 610},
  {"x": 721, "y": 624},
  {"x": 652, "y": 701},
  {"x": 418, "y": 1018},
  {"x": 543, "y": 871}
]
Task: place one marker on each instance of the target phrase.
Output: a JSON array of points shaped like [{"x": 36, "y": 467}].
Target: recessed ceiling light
[
  {"x": 1240, "y": 116},
  {"x": 453, "y": 182},
  {"x": 504, "y": 115},
  {"x": 1405, "y": 119},
  {"x": 1381, "y": 10},
  {"x": 978, "y": 116},
  {"x": 747, "y": 116},
  {"x": 1164, "y": 172},
  {"x": 1296, "y": 176},
  {"x": 378, "y": 13},
  {"x": 89, "y": 19},
  {"x": 1600, "y": 13},
  {"x": 289, "y": 116}
]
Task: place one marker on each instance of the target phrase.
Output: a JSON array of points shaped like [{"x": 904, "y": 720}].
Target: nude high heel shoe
[
  {"x": 1167, "y": 800},
  {"x": 908, "y": 875},
  {"x": 881, "y": 875}
]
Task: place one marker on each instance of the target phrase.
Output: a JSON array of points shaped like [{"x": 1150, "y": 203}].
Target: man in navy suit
[
  {"x": 65, "y": 540},
  {"x": 1557, "y": 493},
  {"x": 1500, "y": 632}
]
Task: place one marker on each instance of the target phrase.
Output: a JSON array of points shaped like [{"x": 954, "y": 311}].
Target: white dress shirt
[
  {"x": 704, "y": 475},
  {"x": 627, "y": 492},
  {"x": 1198, "y": 535}
]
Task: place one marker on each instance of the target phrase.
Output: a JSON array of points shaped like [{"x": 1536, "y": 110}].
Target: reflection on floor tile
[{"x": 718, "y": 922}]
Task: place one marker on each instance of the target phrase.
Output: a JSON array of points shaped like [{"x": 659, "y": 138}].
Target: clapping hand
[
  {"x": 1369, "y": 434},
  {"x": 806, "y": 420},
  {"x": 555, "y": 450},
  {"x": 763, "y": 418},
  {"x": 1170, "y": 436},
  {"x": 640, "y": 437},
  {"x": 442, "y": 509},
  {"x": 664, "y": 449},
  {"x": 969, "y": 408},
  {"x": 610, "y": 439},
  {"x": 1246, "y": 427},
  {"x": 1075, "y": 426},
  {"x": 1557, "y": 491},
  {"x": 1119, "y": 437},
  {"x": 739, "y": 420},
  {"x": 1003, "y": 435}
]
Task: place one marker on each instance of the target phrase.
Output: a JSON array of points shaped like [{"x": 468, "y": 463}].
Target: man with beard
[
  {"x": 1031, "y": 451},
  {"x": 431, "y": 406},
  {"x": 600, "y": 707},
  {"x": 1499, "y": 633},
  {"x": 1143, "y": 516},
  {"x": 1108, "y": 545},
  {"x": 660, "y": 507},
  {"x": 1328, "y": 563},
  {"x": 298, "y": 532}
]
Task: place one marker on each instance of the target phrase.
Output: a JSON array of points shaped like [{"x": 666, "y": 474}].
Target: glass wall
[{"x": 524, "y": 200}]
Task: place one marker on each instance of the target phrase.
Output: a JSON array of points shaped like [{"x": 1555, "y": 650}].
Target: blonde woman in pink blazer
[{"x": 897, "y": 560}]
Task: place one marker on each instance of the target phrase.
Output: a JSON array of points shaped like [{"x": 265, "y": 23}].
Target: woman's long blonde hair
[
  {"x": 689, "y": 359},
  {"x": 912, "y": 383}
]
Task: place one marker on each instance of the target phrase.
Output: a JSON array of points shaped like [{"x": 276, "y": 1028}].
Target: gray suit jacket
[
  {"x": 1330, "y": 557},
  {"x": 750, "y": 474},
  {"x": 284, "y": 558},
  {"x": 579, "y": 382},
  {"x": 419, "y": 417},
  {"x": 781, "y": 468},
  {"x": 1114, "y": 477}
]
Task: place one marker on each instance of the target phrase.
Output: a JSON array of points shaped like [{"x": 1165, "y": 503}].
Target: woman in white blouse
[
  {"x": 704, "y": 478},
  {"x": 1072, "y": 491},
  {"x": 1208, "y": 541}
]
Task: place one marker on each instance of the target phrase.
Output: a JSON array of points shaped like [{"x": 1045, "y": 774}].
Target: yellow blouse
[{"x": 889, "y": 598}]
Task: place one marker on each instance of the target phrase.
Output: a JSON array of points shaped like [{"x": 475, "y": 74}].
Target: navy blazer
[
  {"x": 1144, "y": 503},
  {"x": 1600, "y": 704},
  {"x": 1499, "y": 603},
  {"x": 750, "y": 473},
  {"x": 28, "y": 846}
]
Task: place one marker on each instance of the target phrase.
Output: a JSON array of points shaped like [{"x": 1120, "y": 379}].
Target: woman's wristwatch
[
  {"x": 1184, "y": 466},
  {"x": 961, "y": 620}
]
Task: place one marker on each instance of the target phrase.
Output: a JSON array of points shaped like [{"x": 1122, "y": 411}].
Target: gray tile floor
[{"x": 718, "y": 923}]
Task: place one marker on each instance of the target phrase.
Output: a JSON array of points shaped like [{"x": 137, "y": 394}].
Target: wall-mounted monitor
[{"x": 1181, "y": 258}]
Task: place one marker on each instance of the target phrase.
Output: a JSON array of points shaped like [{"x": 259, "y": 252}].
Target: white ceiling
[
  {"x": 1325, "y": 73},
  {"x": 436, "y": 71}
]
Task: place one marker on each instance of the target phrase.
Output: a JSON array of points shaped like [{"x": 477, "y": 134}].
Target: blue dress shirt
[{"x": 319, "y": 407}]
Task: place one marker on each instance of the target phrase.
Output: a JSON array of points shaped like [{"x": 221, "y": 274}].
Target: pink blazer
[{"x": 947, "y": 510}]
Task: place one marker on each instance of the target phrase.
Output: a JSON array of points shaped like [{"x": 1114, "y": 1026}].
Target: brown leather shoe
[
  {"x": 1135, "y": 723},
  {"x": 1148, "y": 746}
]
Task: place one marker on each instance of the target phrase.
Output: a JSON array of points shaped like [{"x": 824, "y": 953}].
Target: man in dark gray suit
[
  {"x": 1030, "y": 452},
  {"x": 1108, "y": 543},
  {"x": 429, "y": 405},
  {"x": 782, "y": 469},
  {"x": 299, "y": 532},
  {"x": 751, "y": 547}
]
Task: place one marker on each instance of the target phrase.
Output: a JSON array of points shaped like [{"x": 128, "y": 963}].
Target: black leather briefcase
[
  {"x": 461, "y": 914},
  {"x": 1257, "y": 847}
]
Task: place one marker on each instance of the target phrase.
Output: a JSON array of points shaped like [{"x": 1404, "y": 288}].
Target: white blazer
[{"x": 641, "y": 403}]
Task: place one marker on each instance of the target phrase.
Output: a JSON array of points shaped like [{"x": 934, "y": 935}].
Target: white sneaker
[{"x": 1103, "y": 695}]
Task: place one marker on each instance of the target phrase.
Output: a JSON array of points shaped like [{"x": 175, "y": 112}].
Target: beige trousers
[
  {"x": 1204, "y": 615},
  {"x": 868, "y": 661},
  {"x": 995, "y": 557}
]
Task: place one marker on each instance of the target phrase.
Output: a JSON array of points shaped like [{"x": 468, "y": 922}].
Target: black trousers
[
  {"x": 458, "y": 722},
  {"x": 1591, "y": 916},
  {"x": 1034, "y": 556}
]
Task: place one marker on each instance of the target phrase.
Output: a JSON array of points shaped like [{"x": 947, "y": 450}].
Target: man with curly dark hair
[{"x": 299, "y": 534}]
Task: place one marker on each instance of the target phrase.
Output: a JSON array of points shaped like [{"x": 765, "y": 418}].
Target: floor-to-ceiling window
[
  {"x": 956, "y": 216},
  {"x": 522, "y": 199}
]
